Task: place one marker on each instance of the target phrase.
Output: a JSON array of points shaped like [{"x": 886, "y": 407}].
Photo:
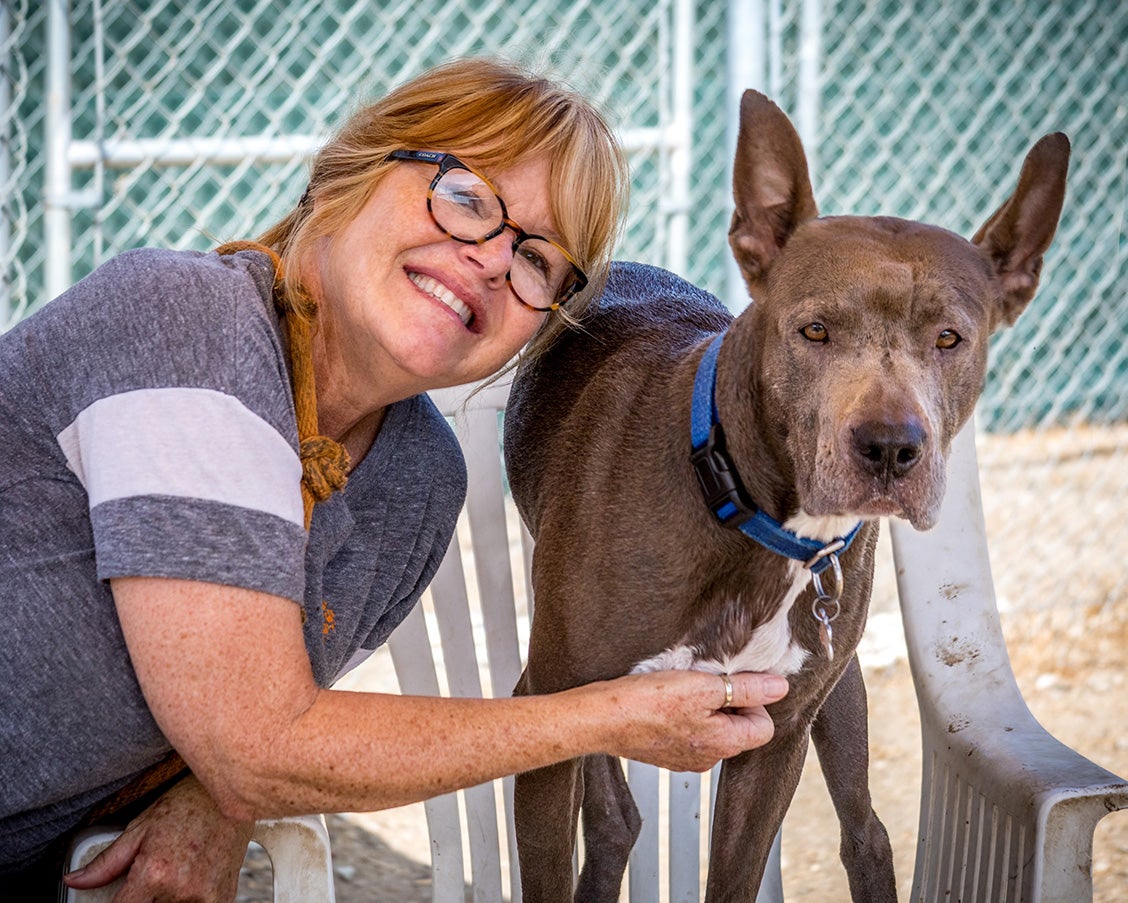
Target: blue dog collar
[{"x": 721, "y": 487}]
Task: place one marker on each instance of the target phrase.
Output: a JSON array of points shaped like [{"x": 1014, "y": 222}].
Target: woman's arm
[{"x": 225, "y": 672}]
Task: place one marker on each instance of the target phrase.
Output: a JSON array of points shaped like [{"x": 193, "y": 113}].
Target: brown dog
[{"x": 839, "y": 391}]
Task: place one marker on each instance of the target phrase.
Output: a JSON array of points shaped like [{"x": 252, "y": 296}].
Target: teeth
[{"x": 436, "y": 289}]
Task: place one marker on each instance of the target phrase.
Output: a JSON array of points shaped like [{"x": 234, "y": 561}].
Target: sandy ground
[{"x": 1065, "y": 616}]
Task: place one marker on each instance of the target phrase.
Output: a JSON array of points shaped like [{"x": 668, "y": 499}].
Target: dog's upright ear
[
  {"x": 770, "y": 184},
  {"x": 1018, "y": 234}
]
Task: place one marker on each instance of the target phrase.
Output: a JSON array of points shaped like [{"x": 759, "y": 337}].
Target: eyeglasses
[{"x": 465, "y": 206}]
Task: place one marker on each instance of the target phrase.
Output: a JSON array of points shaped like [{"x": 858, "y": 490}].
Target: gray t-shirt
[{"x": 147, "y": 429}]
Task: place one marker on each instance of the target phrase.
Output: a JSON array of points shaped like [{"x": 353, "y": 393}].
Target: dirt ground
[{"x": 1064, "y": 599}]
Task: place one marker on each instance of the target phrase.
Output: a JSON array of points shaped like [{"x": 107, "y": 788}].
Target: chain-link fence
[
  {"x": 192, "y": 123},
  {"x": 160, "y": 122}
]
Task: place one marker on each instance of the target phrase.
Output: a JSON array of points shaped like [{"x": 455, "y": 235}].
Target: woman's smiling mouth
[{"x": 437, "y": 290}]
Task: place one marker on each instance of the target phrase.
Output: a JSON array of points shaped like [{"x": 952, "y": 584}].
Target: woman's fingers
[
  {"x": 754, "y": 727},
  {"x": 752, "y": 689},
  {"x": 689, "y": 720},
  {"x": 113, "y": 862},
  {"x": 182, "y": 848}
]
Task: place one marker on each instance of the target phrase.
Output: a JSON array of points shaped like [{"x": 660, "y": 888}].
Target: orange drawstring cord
[{"x": 325, "y": 463}]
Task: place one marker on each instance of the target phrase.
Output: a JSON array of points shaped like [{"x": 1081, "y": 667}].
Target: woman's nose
[{"x": 495, "y": 256}]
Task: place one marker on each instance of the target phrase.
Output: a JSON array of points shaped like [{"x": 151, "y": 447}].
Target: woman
[{"x": 166, "y": 427}]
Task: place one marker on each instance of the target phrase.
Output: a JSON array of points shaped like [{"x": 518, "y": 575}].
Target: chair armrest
[
  {"x": 299, "y": 853},
  {"x": 298, "y": 848},
  {"x": 1006, "y": 809}
]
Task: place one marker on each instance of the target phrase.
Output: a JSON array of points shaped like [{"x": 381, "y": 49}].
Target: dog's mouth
[
  {"x": 915, "y": 499},
  {"x": 882, "y": 507},
  {"x": 888, "y": 506}
]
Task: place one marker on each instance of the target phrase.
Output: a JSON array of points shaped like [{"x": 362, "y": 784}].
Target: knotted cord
[{"x": 325, "y": 463}]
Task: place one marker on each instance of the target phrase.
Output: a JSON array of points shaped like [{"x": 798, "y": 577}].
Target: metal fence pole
[
  {"x": 807, "y": 102},
  {"x": 747, "y": 67},
  {"x": 56, "y": 202},
  {"x": 682, "y": 139},
  {"x": 774, "y": 53}
]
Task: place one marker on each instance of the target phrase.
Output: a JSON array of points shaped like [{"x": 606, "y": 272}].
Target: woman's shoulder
[
  {"x": 164, "y": 262},
  {"x": 156, "y": 290},
  {"x": 154, "y": 319},
  {"x": 185, "y": 283}
]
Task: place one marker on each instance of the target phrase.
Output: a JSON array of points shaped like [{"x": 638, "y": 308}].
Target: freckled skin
[{"x": 630, "y": 566}]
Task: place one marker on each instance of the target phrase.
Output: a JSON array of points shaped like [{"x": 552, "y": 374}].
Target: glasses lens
[
  {"x": 540, "y": 273},
  {"x": 465, "y": 206}
]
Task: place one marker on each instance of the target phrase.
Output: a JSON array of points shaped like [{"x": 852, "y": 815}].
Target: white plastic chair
[
  {"x": 298, "y": 848},
  {"x": 1007, "y": 812}
]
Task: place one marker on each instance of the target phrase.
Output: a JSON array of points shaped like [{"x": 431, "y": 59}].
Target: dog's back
[{"x": 645, "y": 320}]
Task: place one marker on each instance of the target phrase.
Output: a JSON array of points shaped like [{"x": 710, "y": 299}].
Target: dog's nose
[{"x": 889, "y": 450}]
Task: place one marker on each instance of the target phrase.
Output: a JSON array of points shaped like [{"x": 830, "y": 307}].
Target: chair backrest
[
  {"x": 478, "y": 609},
  {"x": 1007, "y": 812},
  {"x": 473, "y": 604}
]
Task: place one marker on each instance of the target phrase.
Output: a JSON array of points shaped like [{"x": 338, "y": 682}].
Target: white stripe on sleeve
[{"x": 186, "y": 442}]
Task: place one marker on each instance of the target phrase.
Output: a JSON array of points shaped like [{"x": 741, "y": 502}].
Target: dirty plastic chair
[
  {"x": 1007, "y": 811},
  {"x": 298, "y": 848}
]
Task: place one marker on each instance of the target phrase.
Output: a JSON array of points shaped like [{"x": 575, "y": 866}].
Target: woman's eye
[
  {"x": 534, "y": 258},
  {"x": 470, "y": 203},
  {"x": 949, "y": 338},
  {"x": 815, "y": 332}
]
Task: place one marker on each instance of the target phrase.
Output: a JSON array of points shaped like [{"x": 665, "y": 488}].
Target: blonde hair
[{"x": 493, "y": 115}]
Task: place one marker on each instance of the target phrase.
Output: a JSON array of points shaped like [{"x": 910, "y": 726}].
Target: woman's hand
[
  {"x": 179, "y": 849},
  {"x": 683, "y": 721}
]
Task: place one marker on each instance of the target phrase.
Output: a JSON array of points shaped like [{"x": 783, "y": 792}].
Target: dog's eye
[
  {"x": 949, "y": 338},
  {"x": 815, "y": 332}
]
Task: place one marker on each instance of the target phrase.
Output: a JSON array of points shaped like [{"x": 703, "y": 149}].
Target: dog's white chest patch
[{"x": 771, "y": 647}]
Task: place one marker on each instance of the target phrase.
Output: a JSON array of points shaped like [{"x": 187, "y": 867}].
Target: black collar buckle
[{"x": 718, "y": 480}]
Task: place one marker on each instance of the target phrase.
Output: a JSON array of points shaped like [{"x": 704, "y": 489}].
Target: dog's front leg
[
  {"x": 545, "y": 810},
  {"x": 841, "y": 738},
  {"x": 611, "y": 826},
  {"x": 755, "y": 790}
]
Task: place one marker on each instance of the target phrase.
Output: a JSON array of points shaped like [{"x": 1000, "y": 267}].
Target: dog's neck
[{"x": 724, "y": 492}]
